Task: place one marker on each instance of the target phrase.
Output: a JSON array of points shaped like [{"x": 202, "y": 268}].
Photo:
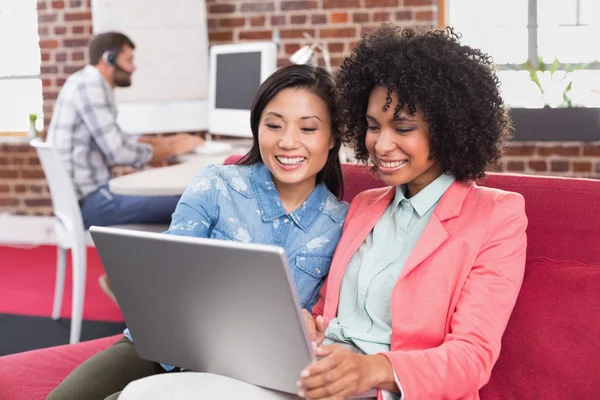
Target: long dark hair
[{"x": 321, "y": 83}]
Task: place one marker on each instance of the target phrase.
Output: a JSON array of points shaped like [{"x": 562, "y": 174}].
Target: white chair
[{"x": 70, "y": 234}]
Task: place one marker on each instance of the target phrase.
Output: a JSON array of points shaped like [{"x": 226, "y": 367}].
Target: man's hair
[{"x": 109, "y": 41}]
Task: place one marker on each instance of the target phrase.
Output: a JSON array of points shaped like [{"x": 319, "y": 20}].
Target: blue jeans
[{"x": 103, "y": 208}]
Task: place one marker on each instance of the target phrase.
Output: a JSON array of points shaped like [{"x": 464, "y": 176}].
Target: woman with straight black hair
[{"x": 286, "y": 191}]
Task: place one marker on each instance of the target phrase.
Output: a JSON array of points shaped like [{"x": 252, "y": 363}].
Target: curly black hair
[{"x": 454, "y": 85}]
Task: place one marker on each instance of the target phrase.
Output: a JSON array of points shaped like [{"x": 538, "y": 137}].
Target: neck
[
  {"x": 421, "y": 182},
  {"x": 106, "y": 75},
  {"x": 293, "y": 195}
]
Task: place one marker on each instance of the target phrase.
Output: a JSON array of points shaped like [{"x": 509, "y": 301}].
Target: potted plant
[{"x": 559, "y": 119}]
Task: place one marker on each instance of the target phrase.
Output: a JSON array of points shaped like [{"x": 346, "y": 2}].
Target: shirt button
[
  {"x": 318, "y": 270},
  {"x": 286, "y": 220}
]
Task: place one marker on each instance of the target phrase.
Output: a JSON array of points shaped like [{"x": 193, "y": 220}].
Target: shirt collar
[
  {"x": 427, "y": 197},
  {"x": 93, "y": 71},
  {"x": 270, "y": 203}
]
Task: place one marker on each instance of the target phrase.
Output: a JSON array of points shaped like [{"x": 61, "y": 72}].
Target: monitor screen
[{"x": 238, "y": 78}]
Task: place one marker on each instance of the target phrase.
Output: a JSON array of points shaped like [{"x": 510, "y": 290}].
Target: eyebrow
[
  {"x": 281, "y": 116},
  {"x": 401, "y": 118}
]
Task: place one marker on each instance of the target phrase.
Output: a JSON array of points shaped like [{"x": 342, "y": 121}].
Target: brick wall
[{"x": 65, "y": 27}]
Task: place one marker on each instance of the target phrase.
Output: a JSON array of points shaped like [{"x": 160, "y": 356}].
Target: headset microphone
[{"x": 110, "y": 58}]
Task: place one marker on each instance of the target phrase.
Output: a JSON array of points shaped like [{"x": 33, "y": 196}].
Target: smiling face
[
  {"x": 294, "y": 137},
  {"x": 399, "y": 145}
]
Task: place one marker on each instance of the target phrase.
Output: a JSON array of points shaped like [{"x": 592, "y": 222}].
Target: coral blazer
[{"x": 452, "y": 301}]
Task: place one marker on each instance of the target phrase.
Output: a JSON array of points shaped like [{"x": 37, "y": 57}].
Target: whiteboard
[{"x": 169, "y": 90}]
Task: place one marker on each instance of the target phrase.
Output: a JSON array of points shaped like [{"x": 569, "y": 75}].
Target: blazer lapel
[
  {"x": 355, "y": 234},
  {"x": 435, "y": 233}
]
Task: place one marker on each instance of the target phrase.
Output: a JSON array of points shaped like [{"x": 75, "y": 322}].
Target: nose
[
  {"x": 385, "y": 143},
  {"x": 289, "y": 138}
]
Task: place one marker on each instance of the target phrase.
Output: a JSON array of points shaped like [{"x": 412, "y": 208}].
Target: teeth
[
  {"x": 290, "y": 161},
  {"x": 391, "y": 164}
]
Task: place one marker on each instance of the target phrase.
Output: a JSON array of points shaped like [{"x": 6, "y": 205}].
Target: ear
[{"x": 331, "y": 142}]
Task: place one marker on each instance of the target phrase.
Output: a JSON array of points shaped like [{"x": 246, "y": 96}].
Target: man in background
[{"x": 85, "y": 133}]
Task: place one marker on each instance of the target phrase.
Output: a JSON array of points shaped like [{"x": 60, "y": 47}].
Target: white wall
[{"x": 170, "y": 86}]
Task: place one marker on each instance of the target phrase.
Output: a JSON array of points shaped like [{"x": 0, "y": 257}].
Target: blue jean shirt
[{"x": 241, "y": 203}]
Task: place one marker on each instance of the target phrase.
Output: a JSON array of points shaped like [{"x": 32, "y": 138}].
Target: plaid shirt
[{"x": 85, "y": 133}]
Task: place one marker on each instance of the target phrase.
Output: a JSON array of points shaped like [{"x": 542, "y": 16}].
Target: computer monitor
[{"x": 236, "y": 71}]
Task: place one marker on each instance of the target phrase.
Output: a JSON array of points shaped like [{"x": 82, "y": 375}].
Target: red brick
[
  {"x": 258, "y": 7},
  {"x": 45, "y": 56},
  {"x": 381, "y": 3},
  {"x": 36, "y": 189},
  {"x": 339, "y": 17},
  {"x": 18, "y": 161},
  {"x": 60, "y": 57},
  {"x": 299, "y": 19},
  {"x": 512, "y": 150},
  {"x": 47, "y": 18},
  {"x": 211, "y": 23},
  {"x": 9, "y": 201},
  {"x": 425, "y": 15},
  {"x": 537, "y": 165},
  {"x": 559, "y": 150},
  {"x": 256, "y": 35},
  {"x": 20, "y": 189},
  {"x": 298, "y": 5},
  {"x": 221, "y": 8},
  {"x": 75, "y": 3},
  {"x": 78, "y": 29},
  {"x": 559, "y": 166},
  {"x": 598, "y": 167},
  {"x": 515, "y": 166},
  {"x": 296, "y": 33},
  {"x": 220, "y": 36},
  {"x": 44, "y": 31},
  {"x": 582, "y": 166},
  {"x": 49, "y": 69},
  {"x": 283, "y": 62},
  {"x": 38, "y": 202},
  {"x": 232, "y": 22},
  {"x": 3, "y": 160},
  {"x": 591, "y": 150},
  {"x": 39, "y": 174},
  {"x": 75, "y": 42},
  {"x": 335, "y": 47},
  {"x": 291, "y": 48},
  {"x": 78, "y": 16},
  {"x": 318, "y": 19},
  {"x": 46, "y": 82},
  {"x": 34, "y": 161},
  {"x": 59, "y": 30},
  {"x": 381, "y": 16},
  {"x": 17, "y": 148},
  {"x": 405, "y": 15},
  {"x": 78, "y": 56},
  {"x": 4, "y": 188},
  {"x": 60, "y": 82},
  {"x": 69, "y": 69},
  {"x": 50, "y": 95},
  {"x": 338, "y": 33},
  {"x": 57, "y": 5},
  {"x": 420, "y": 2},
  {"x": 6, "y": 174},
  {"x": 41, "y": 5},
  {"x": 277, "y": 20},
  {"x": 341, "y": 4},
  {"x": 360, "y": 17},
  {"x": 257, "y": 21},
  {"x": 49, "y": 44}
]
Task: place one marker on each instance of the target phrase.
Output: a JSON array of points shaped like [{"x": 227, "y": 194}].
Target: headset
[{"x": 110, "y": 58}]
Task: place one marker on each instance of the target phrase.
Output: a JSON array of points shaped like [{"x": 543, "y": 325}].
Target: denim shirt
[{"x": 241, "y": 203}]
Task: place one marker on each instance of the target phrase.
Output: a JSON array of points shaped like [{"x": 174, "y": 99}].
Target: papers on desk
[{"x": 212, "y": 147}]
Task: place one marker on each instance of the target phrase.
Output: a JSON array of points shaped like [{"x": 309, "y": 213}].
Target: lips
[{"x": 290, "y": 160}]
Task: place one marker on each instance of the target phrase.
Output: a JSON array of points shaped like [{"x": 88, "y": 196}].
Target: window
[
  {"x": 514, "y": 32},
  {"x": 20, "y": 84}
]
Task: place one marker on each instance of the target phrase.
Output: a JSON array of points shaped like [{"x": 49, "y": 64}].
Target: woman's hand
[
  {"x": 341, "y": 373},
  {"x": 315, "y": 328}
]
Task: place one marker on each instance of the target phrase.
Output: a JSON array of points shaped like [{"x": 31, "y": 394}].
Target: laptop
[{"x": 208, "y": 305}]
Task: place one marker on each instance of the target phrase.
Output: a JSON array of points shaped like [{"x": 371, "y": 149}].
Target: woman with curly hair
[{"x": 428, "y": 269}]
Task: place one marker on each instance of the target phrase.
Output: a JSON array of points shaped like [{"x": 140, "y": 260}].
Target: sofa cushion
[
  {"x": 32, "y": 375},
  {"x": 551, "y": 347}
]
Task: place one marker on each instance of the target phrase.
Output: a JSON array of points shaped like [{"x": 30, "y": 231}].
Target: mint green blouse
[{"x": 363, "y": 318}]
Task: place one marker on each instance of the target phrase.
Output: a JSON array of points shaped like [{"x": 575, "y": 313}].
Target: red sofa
[{"x": 551, "y": 348}]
